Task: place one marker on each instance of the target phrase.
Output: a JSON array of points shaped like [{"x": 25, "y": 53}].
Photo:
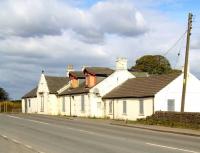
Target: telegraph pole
[{"x": 186, "y": 61}]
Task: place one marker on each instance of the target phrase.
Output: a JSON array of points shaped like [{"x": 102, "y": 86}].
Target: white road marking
[
  {"x": 16, "y": 141},
  {"x": 14, "y": 116},
  {"x": 28, "y": 146},
  {"x": 173, "y": 148},
  {"x": 4, "y": 136},
  {"x": 28, "y": 119}
]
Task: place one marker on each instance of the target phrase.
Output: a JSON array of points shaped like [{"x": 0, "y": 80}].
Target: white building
[
  {"x": 84, "y": 97},
  {"x": 29, "y": 102},
  {"x": 103, "y": 92},
  {"x": 141, "y": 97},
  {"x": 43, "y": 99}
]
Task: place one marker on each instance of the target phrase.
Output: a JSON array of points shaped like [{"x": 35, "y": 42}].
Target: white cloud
[
  {"x": 40, "y": 34},
  {"x": 30, "y": 18}
]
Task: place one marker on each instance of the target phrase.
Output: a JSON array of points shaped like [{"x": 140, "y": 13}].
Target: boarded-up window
[
  {"x": 124, "y": 107},
  {"x": 141, "y": 106},
  {"x": 63, "y": 104},
  {"x": 171, "y": 105},
  {"x": 82, "y": 103},
  {"x": 110, "y": 107}
]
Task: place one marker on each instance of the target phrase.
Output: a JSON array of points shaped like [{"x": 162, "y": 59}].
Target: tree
[
  {"x": 153, "y": 64},
  {"x": 3, "y": 95}
]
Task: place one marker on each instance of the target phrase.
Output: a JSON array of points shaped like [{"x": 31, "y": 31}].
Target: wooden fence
[{"x": 8, "y": 106}]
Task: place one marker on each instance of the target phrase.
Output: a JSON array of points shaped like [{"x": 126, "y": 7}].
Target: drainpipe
[
  {"x": 153, "y": 105},
  {"x": 113, "y": 110},
  {"x": 70, "y": 107}
]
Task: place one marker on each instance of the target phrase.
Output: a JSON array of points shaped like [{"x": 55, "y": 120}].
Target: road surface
[{"x": 46, "y": 134}]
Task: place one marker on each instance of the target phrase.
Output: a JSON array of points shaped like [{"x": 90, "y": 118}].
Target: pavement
[{"x": 48, "y": 134}]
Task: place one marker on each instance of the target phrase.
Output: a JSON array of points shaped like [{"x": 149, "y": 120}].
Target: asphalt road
[{"x": 46, "y": 134}]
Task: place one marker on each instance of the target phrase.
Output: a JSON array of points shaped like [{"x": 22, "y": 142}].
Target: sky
[{"x": 50, "y": 34}]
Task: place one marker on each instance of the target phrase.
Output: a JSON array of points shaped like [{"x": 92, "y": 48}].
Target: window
[
  {"x": 141, "y": 103},
  {"x": 82, "y": 103},
  {"x": 110, "y": 107},
  {"x": 63, "y": 104},
  {"x": 171, "y": 105},
  {"x": 124, "y": 107},
  {"x": 29, "y": 103},
  {"x": 42, "y": 103}
]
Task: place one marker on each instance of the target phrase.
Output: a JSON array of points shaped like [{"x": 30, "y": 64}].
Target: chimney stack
[
  {"x": 69, "y": 69},
  {"x": 121, "y": 63}
]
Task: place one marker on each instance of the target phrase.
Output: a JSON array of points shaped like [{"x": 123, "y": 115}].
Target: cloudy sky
[{"x": 38, "y": 35}]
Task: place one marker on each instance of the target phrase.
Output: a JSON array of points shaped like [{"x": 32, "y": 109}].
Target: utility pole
[{"x": 186, "y": 61}]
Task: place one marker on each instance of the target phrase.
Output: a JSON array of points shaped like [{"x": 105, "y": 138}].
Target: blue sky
[{"x": 48, "y": 35}]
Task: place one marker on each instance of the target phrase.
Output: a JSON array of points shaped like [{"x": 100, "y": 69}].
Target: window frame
[
  {"x": 82, "y": 103},
  {"x": 42, "y": 103},
  {"x": 141, "y": 107},
  {"x": 63, "y": 104},
  {"x": 110, "y": 106},
  {"x": 171, "y": 107},
  {"x": 124, "y": 107}
]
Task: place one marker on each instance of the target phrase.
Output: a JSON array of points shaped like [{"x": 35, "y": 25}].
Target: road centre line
[
  {"x": 28, "y": 119},
  {"x": 172, "y": 148}
]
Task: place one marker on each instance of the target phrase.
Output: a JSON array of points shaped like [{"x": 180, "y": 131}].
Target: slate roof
[
  {"x": 99, "y": 70},
  {"x": 81, "y": 89},
  {"x": 141, "y": 87},
  {"x": 139, "y": 74},
  {"x": 31, "y": 94},
  {"x": 55, "y": 83},
  {"x": 78, "y": 74}
]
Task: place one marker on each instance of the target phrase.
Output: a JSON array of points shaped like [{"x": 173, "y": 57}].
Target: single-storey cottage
[{"x": 141, "y": 97}]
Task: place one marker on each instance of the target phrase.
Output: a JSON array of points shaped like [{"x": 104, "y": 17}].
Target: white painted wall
[
  {"x": 132, "y": 108},
  {"x": 52, "y": 104},
  {"x": 23, "y": 106},
  {"x": 174, "y": 91},
  {"x": 75, "y": 105},
  {"x": 108, "y": 84},
  {"x": 96, "y": 105},
  {"x": 32, "y": 108},
  {"x": 112, "y": 81}
]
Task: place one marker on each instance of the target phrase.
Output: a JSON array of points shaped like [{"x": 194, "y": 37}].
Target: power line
[
  {"x": 175, "y": 44},
  {"x": 179, "y": 53}
]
